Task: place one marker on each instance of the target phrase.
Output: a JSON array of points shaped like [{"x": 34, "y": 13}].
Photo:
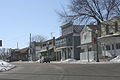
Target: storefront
[{"x": 110, "y": 45}]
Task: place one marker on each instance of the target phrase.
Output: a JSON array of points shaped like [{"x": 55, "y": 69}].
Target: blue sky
[{"x": 19, "y": 18}]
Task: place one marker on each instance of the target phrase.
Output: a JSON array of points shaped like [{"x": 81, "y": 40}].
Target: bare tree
[
  {"x": 38, "y": 38},
  {"x": 90, "y": 11}
]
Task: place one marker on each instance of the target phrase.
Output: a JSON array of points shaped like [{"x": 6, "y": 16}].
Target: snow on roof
[{"x": 113, "y": 35}]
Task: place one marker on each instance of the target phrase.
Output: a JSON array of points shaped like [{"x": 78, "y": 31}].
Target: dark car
[{"x": 45, "y": 59}]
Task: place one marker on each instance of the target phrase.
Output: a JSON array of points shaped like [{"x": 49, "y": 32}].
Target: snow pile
[
  {"x": 116, "y": 59},
  {"x": 69, "y": 60},
  {"x": 4, "y": 66}
]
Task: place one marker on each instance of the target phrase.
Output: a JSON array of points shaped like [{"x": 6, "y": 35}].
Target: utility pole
[
  {"x": 97, "y": 46},
  {"x": 51, "y": 34},
  {"x": 17, "y": 46},
  {"x": 30, "y": 57}
]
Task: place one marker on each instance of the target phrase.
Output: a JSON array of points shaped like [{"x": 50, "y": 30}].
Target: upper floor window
[
  {"x": 85, "y": 36},
  {"x": 50, "y": 43},
  {"x": 107, "y": 29},
  {"x": 44, "y": 45},
  {"x": 116, "y": 26}
]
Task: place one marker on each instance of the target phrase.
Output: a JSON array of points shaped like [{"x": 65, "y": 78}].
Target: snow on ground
[
  {"x": 68, "y": 60},
  {"x": 5, "y": 66},
  {"x": 116, "y": 59}
]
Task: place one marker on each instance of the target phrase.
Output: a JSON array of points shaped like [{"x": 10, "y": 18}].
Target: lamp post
[{"x": 97, "y": 45}]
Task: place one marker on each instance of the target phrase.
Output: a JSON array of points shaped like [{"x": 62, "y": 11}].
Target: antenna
[{"x": 51, "y": 34}]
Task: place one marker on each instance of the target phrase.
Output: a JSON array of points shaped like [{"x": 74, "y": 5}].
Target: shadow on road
[
  {"x": 10, "y": 79},
  {"x": 52, "y": 74}
]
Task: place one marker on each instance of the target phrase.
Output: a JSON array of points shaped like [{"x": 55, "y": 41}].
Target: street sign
[{"x": 0, "y": 42}]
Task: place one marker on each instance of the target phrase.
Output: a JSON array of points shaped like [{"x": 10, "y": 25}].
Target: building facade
[
  {"x": 110, "y": 37},
  {"x": 44, "y": 49},
  {"x": 18, "y": 54},
  {"x": 66, "y": 44},
  {"x": 88, "y": 43}
]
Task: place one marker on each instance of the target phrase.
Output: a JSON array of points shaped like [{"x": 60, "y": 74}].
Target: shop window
[{"x": 107, "y": 47}]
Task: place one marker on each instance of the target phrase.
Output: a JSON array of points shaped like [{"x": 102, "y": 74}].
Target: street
[{"x": 46, "y": 71}]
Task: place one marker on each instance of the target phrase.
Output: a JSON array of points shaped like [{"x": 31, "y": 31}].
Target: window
[
  {"x": 44, "y": 45},
  {"x": 90, "y": 49},
  {"x": 107, "y": 47},
  {"x": 82, "y": 50},
  {"x": 50, "y": 43},
  {"x": 112, "y": 46},
  {"x": 118, "y": 46},
  {"x": 85, "y": 36},
  {"x": 116, "y": 26},
  {"x": 107, "y": 29}
]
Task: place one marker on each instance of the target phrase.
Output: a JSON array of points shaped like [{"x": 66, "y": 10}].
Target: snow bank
[
  {"x": 116, "y": 59},
  {"x": 4, "y": 66},
  {"x": 69, "y": 60}
]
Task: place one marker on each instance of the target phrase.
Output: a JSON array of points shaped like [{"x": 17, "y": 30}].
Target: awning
[
  {"x": 60, "y": 48},
  {"x": 65, "y": 47},
  {"x": 85, "y": 44}
]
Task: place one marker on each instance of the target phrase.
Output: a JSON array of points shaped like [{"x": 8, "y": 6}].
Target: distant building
[
  {"x": 18, "y": 54},
  {"x": 44, "y": 49},
  {"x": 66, "y": 44}
]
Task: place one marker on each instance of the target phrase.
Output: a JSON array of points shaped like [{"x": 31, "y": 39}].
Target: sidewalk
[
  {"x": 85, "y": 62},
  {"x": 75, "y": 62}
]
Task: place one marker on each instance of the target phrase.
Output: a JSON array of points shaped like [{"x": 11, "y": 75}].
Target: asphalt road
[{"x": 37, "y": 71}]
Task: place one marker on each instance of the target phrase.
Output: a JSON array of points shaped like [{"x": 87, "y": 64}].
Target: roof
[
  {"x": 77, "y": 28},
  {"x": 114, "y": 19},
  {"x": 24, "y": 50},
  {"x": 44, "y": 42},
  {"x": 64, "y": 36},
  {"x": 67, "y": 25}
]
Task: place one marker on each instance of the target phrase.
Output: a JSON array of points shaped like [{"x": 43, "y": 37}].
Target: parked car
[{"x": 44, "y": 59}]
